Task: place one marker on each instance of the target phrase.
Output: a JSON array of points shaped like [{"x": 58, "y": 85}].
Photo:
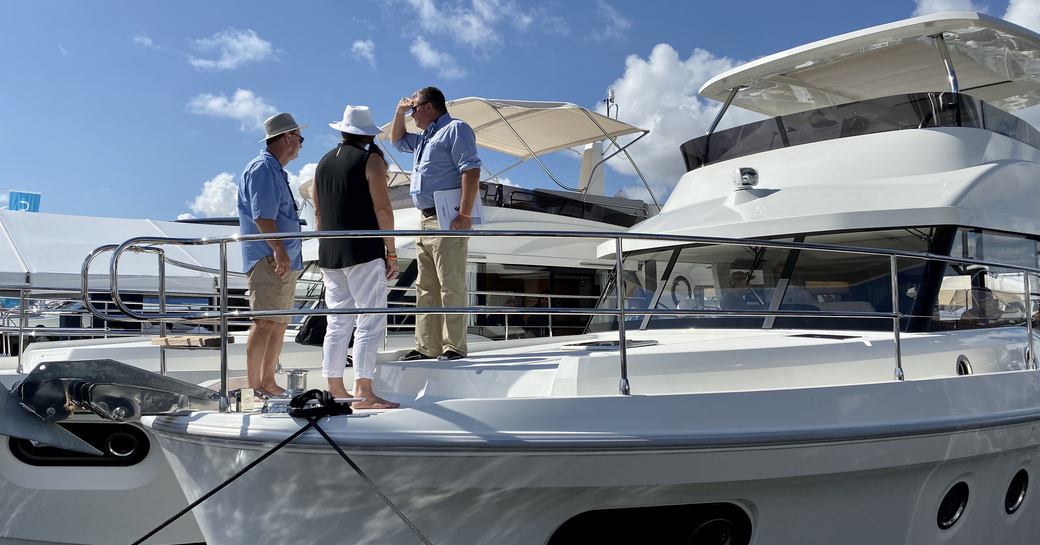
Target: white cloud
[
  {"x": 479, "y": 27},
  {"x": 144, "y": 41},
  {"x": 504, "y": 181},
  {"x": 925, "y": 7},
  {"x": 233, "y": 48},
  {"x": 218, "y": 198},
  {"x": 464, "y": 26},
  {"x": 609, "y": 23},
  {"x": 429, "y": 57},
  {"x": 244, "y": 106},
  {"x": 62, "y": 50},
  {"x": 1025, "y": 13},
  {"x": 305, "y": 173},
  {"x": 364, "y": 50},
  {"x": 659, "y": 93},
  {"x": 219, "y": 195}
]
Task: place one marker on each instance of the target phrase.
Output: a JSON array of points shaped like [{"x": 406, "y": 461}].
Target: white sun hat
[{"x": 356, "y": 120}]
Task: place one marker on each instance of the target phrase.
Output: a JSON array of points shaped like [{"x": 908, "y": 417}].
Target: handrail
[{"x": 146, "y": 244}]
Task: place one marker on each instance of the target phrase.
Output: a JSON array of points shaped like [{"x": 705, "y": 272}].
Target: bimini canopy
[
  {"x": 540, "y": 127},
  {"x": 994, "y": 60},
  {"x": 46, "y": 252}
]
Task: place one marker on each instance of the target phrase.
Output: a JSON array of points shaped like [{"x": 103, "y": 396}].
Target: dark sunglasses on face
[
  {"x": 415, "y": 107},
  {"x": 298, "y": 135}
]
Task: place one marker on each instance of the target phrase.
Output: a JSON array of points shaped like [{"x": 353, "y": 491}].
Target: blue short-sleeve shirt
[
  {"x": 443, "y": 151},
  {"x": 263, "y": 193}
]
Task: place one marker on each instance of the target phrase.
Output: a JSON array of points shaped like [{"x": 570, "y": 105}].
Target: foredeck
[{"x": 683, "y": 361}]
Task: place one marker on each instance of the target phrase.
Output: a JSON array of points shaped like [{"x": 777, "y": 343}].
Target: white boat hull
[{"x": 861, "y": 464}]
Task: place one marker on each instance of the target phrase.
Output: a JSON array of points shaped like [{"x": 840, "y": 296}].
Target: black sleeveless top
[{"x": 346, "y": 205}]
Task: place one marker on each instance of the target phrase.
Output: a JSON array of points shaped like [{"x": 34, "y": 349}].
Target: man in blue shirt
[
  {"x": 445, "y": 158},
  {"x": 266, "y": 205}
]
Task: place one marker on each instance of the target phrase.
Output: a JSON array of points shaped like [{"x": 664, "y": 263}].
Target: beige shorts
[{"x": 269, "y": 292}]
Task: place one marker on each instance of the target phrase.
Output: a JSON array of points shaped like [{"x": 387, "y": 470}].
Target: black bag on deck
[{"x": 312, "y": 331}]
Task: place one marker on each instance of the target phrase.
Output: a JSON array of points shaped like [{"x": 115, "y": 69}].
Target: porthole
[
  {"x": 952, "y": 506},
  {"x": 963, "y": 365},
  {"x": 1016, "y": 492}
]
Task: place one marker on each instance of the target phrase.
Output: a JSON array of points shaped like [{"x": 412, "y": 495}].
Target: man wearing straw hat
[{"x": 266, "y": 205}]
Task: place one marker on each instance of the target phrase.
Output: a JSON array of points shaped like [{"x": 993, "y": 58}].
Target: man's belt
[{"x": 429, "y": 212}]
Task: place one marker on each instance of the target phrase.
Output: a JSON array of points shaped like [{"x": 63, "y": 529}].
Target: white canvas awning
[
  {"x": 544, "y": 126},
  {"x": 46, "y": 252},
  {"x": 994, "y": 60}
]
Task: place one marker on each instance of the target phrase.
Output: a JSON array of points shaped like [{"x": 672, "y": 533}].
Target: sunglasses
[
  {"x": 298, "y": 135},
  {"x": 416, "y": 107}
]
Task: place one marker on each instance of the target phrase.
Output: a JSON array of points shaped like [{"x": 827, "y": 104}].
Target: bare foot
[
  {"x": 374, "y": 402},
  {"x": 340, "y": 393},
  {"x": 272, "y": 389}
]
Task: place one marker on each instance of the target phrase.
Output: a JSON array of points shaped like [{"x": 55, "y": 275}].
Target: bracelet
[
  {"x": 465, "y": 216},
  {"x": 391, "y": 257}
]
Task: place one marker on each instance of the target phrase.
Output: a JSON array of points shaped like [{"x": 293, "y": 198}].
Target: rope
[
  {"x": 415, "y": 530},
  {"x": 326, "y": 406},
  {"x": 221, "y": 486}
]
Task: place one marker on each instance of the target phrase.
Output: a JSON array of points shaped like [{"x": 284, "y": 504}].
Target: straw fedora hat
[
  {"x": 356, "y": 120},
  {"x": 279, "y": 124}
]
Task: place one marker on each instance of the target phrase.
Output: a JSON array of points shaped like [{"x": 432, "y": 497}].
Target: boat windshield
[
  {"x": 892, "y": 113},
  {"x": 612, "y": 210},
  {"x": 932, "y": 295}
]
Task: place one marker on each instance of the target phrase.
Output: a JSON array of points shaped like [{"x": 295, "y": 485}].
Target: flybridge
[{"x": 966, "y": 52}]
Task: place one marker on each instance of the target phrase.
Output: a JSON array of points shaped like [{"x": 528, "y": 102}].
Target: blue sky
[{"x": 150, "y": 109}]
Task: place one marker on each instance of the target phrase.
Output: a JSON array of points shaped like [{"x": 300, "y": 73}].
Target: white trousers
[{"x": 358, "y": 286}]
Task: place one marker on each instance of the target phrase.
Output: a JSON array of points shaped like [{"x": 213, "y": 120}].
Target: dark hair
[
  {"x": 434, "y": 96},
  {"x": 363, "y": 141}
]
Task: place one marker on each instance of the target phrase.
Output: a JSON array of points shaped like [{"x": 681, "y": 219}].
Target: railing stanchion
[
  {"x": 623, "y": 386},
  {"x": 894, "y": 270},
  {"x": 224, "y": 325},
  {"x": 1028, "y": 305},
  {"x": 162, "y": 310},
  {"x": 23, "y": 321},
  {"x": 548, "y": 302}
]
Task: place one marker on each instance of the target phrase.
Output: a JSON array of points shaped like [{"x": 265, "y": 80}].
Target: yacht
[
  {"x": 825, "y": 336},
  {"x": 131, "y": 488}
]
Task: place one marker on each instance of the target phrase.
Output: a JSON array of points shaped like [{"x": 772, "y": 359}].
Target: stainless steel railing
[{"x": 148, "y": 245}]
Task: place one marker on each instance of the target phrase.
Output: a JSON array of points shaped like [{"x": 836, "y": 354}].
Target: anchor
[{"x": 115, "y": 391}]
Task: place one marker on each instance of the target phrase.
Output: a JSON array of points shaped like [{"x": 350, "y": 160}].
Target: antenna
[{"x": 609, "y": 101}]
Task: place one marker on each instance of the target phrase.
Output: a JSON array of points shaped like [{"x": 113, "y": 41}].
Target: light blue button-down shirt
[
  {"x": 263, "y": 193},
  {"x": 443, "y": 151}
]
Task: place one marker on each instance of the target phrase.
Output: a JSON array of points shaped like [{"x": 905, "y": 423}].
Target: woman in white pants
[{"x": 350, "y": 195}]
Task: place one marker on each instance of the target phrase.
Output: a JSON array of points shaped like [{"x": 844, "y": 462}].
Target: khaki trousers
[{"x": 441, "y": 283}]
